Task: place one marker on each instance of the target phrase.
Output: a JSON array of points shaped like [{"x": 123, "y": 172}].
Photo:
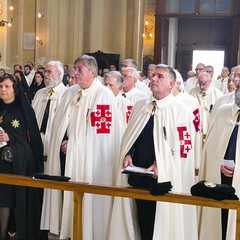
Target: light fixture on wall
[
  {"x": 40, "y": 15},
  {"x": 148, "y": 29},
  {"x": 39, "y": 41},
  {"x": 3, "y": 23}
]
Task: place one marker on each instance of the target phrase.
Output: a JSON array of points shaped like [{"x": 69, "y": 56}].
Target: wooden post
[
  {"x": 77, "y": 220},
  {"x": 238, "y": 225}
]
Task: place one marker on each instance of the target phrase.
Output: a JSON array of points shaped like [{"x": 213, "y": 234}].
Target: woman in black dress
[
  {"x": 21, "y": 154},
  {"x": 37, "y": 83}
]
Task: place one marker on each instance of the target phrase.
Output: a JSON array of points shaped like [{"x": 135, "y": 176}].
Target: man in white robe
[
  {"x": 89, "y": 117},
  {"x": 173, "y": 161},
  {"x": 212, "y": 167},
  {"x": 113, "y": 80},
  {"x": 54, "y": 91},
  {"x": 141, "y": 86},
  {"x": 223, "y": 79},
  {"x": 214, "y": 81},
  {"x": 226, "y": 98},
  {"x": 129, "y": 89},
  {"x": 206, "y": 95},
  {"x": 150, "y": 71},
  {"x": 193, "y": 81},
  {"x": 193, "y": 105}
]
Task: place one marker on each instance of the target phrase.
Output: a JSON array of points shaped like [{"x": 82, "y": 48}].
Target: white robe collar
[
  {"x": 84, "y": 92},
  {"x": 162, "y": 103}
]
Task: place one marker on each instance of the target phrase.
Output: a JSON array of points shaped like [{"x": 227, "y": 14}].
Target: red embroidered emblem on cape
[
  {"x": 196, "y": 120},
  {"x": 102, "y": 119},
  {"x": 128, "y": 113},
  {"x": 185, "y": 141}
]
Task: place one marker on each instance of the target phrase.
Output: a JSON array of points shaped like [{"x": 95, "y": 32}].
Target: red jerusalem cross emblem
[
  {"x": 185, "y": 141},
  {"x": 196, "y": 120},
  {"x": 128, "y": 113},
  {"x": 102, "y": 119}
]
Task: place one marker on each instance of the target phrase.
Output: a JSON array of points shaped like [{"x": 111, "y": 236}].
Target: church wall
[{"x": 69, "y": 29}]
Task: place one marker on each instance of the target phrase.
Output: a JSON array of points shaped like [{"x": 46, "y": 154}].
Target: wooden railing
[{"x": 80, "y": 188}]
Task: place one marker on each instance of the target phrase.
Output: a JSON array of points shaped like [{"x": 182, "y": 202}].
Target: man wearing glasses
[
  {"x": 47, "y": 100},
  {"x": 193, "y": 81},
  {"x": 129, "y": 89},
  {"x": 89, "y": 117},
  {"x": 206, "y": 95}
]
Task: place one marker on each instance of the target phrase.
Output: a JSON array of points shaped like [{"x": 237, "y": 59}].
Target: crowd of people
[{"x": 88, "y": 125}]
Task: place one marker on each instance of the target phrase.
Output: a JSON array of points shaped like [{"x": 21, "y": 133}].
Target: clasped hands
[
  {"x": 227, "y": 171},
  {"x": 127, "y": 161},
  {"x": 3, "y": 136}
]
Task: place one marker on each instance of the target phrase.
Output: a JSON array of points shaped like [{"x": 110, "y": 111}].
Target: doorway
[{"x": 209, "y": 57}]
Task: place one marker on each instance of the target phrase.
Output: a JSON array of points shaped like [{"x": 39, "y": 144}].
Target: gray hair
[
  {"x": 115, "y": 74},
  {"x": 152, "y": 65},
  {"x": 58, "y": 66},
  {"x": 169, "y": 70},
  {"x": 89, "y": 62},
  {"x": 179, "y": 80},
  {"x": 135, "y": 73},
  {"x": 132, "y": 61}
]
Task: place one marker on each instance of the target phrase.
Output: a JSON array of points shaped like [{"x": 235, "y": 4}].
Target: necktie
[
  {"x": 46, "y": 113},
  {"x": 231, "y": 149},
  {"x": 154, "y": 105},
  {"x": 124, "y": 95},
  {"x": 79, "y": 95}
]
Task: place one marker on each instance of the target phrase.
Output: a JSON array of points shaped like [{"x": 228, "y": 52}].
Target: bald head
[
  {"x": 199, "y": 69},
  {"x": 204, "y": 80}
]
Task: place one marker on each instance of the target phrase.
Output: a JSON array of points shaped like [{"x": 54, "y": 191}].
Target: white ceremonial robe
[
  {"x": 175, "y": 162},
  {"x": 143, "y": 87},
  {"x": 223, "y": 85},
  {"x": 191, "y": 83},
  {"x": 39, "y": 105},
  {"x": 146, "y": 81},
  {"x": 206, "y": 103},
  {"x": 227, "y": 98},
  {"x": 134, "y": 95},
  {"x": 216, "y": 83},
  {"x": 193, "y": 106},
  {"x": 92, "y": 152},
  {"x": 124, "y": 108},
  {"x": 213, "y": 152}
]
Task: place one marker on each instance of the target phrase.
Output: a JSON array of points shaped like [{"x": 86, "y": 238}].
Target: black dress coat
[{"x": 19, "y": 121}]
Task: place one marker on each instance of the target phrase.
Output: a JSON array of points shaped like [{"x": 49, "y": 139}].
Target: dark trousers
[
  {"x": 224, "y": 217},
  {"x": 146, "y": 218}
]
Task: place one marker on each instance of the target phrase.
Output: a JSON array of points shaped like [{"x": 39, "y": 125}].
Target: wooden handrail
[{"x": 80, "y": 188}]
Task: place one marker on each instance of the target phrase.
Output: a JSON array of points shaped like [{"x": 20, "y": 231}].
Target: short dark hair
[
  {"x": 28, "y": 66},
  {"x": 13, "y": 79}
]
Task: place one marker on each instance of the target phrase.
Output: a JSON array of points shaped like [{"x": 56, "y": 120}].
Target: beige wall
[{"x": 71, "y": 28}]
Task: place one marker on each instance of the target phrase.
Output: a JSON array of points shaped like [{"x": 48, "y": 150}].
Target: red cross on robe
[
  {"x": 128, "y": 113},
  {"x": 185, "y": 141},
  {"x": 196, "y": 120},
  {"x": 102, "y": 119}
]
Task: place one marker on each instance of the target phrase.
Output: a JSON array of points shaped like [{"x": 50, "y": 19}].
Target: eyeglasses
[
  {"x": 80, "y": 69},
  {"x": 202, "y": 83},
  {"x": 48, "y": 72},
  {"x": 128, "y": 77},
  {"x": 198, "y": 69}
]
